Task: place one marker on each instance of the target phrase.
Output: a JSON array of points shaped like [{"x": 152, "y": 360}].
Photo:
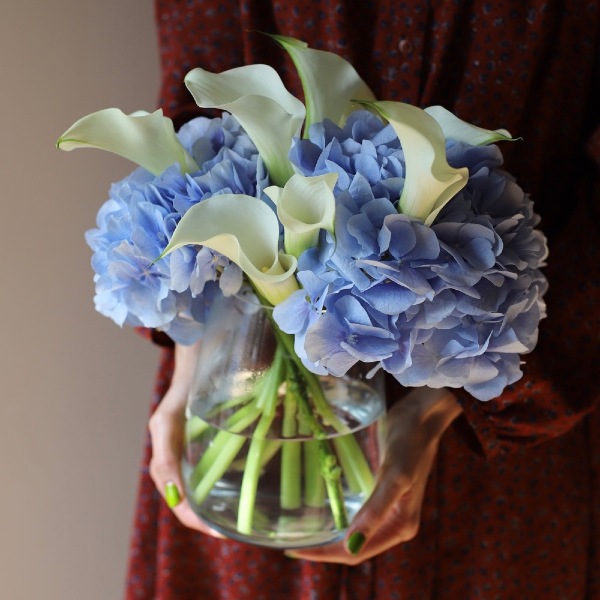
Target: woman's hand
[
  {"x": 392, "y": 514},
  {"x": 167, "y": 426}
]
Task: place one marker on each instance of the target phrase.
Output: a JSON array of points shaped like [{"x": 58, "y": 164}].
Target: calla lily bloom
[
  {"x": 147, "y": 139},
  {"x": 430, "y": 181},
  {"x": 304, "y": 206},
  {"x": 257, "y": 98},
  {"x": 460, "y": 131},
  {"x": 246, "y": 231},
  {"x": 330, "y": 83},
  {"x": 272, "y": 116}
]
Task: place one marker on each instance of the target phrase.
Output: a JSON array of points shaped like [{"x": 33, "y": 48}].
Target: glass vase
[{"x": 276, "y": 455}]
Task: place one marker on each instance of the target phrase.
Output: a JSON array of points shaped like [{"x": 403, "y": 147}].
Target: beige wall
[{"x": 74, "y": 387}]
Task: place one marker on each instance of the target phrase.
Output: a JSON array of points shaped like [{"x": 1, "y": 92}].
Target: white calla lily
[
  {"x": 304, "y": 206},
  {"x": 461, "y": 131},
  {"x": 256, "y": 96},
  {"x": 430, "y": 182},
  {"x": 330, "y": 83},
  {"x": 147, "y": 139},
  {"x": 246, "y": 231}
]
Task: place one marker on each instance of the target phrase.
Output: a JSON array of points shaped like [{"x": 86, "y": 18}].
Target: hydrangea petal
[
  {"x": 323, "y": 345},
  {"x": 389, "y": 299},
  {"x": 291, "y": 315},
  {"x": 231, "y": 279}
]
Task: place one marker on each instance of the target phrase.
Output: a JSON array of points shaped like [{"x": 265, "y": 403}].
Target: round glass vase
[{"x": 274, "y": 454}]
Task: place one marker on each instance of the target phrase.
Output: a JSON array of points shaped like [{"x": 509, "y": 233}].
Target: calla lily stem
[{"x": 305, "y": 412}]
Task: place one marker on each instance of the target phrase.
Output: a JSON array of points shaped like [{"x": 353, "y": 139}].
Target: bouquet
[{"x": 379, "y": 234}]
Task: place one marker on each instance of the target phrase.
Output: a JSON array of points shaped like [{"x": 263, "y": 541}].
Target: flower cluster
[
  {"x": 390, "y": 236},
  {"x": 137, "y": 221},
  {"x": 448, "y": 305}
]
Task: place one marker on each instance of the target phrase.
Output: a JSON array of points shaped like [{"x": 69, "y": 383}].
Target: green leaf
[
  {"x": 330, "y": 83},
  {"x": 245, "y": 230},
  {"x": 461, "y": 131},
  {"x": 304, "y": 206},
  {"x": 147, "y": 139},
  {"x": 256, "y": 96},
  {"x": 430, "y": 182}
]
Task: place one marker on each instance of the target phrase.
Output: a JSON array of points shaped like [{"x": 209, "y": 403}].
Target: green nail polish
[
  {"x": 172, "y": 495},
  {"x": 355, "y": 542}
]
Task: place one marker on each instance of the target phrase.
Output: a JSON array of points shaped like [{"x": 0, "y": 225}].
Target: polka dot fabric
[{"x": 512, "y": 509}]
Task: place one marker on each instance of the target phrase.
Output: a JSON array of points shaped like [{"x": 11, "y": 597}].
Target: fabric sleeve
[{"x": 157, "y": 337}]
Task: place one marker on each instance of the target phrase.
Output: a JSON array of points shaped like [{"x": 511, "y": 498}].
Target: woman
[{"x": 505, "y": 494}]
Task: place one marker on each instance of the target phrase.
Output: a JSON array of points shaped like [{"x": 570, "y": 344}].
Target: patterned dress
[{"x": 512, "y": 508}]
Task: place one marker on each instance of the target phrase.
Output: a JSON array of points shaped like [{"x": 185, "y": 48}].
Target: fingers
[
  {"x": 167, "y": 426},
  {"x": 172, "y": 495},
  {"x": 399, "y": 525},
  {"x": 393, "y": 512},
  {"x": 166, "y": 430},
  {"x": 189, "y": 518},
  {"x": 334, "y": 553},
  {"x": 391, "y": 516}
]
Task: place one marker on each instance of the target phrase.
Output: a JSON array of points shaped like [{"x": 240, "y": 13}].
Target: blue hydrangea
[
  {"x": 454, "y": 304},
  {"x": 363, "y": 145},
  {"x": 451, "y": 304},
  {"x": 135, "y": 224}
]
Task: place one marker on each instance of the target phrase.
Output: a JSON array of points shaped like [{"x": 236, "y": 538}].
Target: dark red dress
[{"x": 505, "y": 515}]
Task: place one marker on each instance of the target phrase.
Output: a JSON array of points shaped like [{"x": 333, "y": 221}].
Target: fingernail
[
  {"x": 290, "y": 554},
  {"x": 355, "y": 542},
  {"x": 172, "y": 494}
]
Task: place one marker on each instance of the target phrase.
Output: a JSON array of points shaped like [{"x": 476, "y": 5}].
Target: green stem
[
  {"x": 250, "y": 483},
  {"x": 322, "y": 465},
  {"x": 233, "y": 444},
  {"x": 314, "y": 486},
  {"x": 332, "y": 474},
  {"x": 271, "y": 449},
  {"x": 233, "y": 402},
  {"x": 289, "y": 492},
  {"x": 327, "y": 460},
  {"x": 314, "y": 385},
  {"x": 220, "y": 454},
  {"x": 267, "y": 401},
  {"x": 242, "y": 418},
  {"x": 194, "y": 428},
  {"x": 354, "y": 464},
  {"x": 321, "y": 405}
]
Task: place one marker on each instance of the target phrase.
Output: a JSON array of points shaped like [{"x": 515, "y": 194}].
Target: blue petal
[
  {"x": 292, "y": 314},
  {"x": 389, "y": 299},
  {"x": 231, "y": 279}
]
